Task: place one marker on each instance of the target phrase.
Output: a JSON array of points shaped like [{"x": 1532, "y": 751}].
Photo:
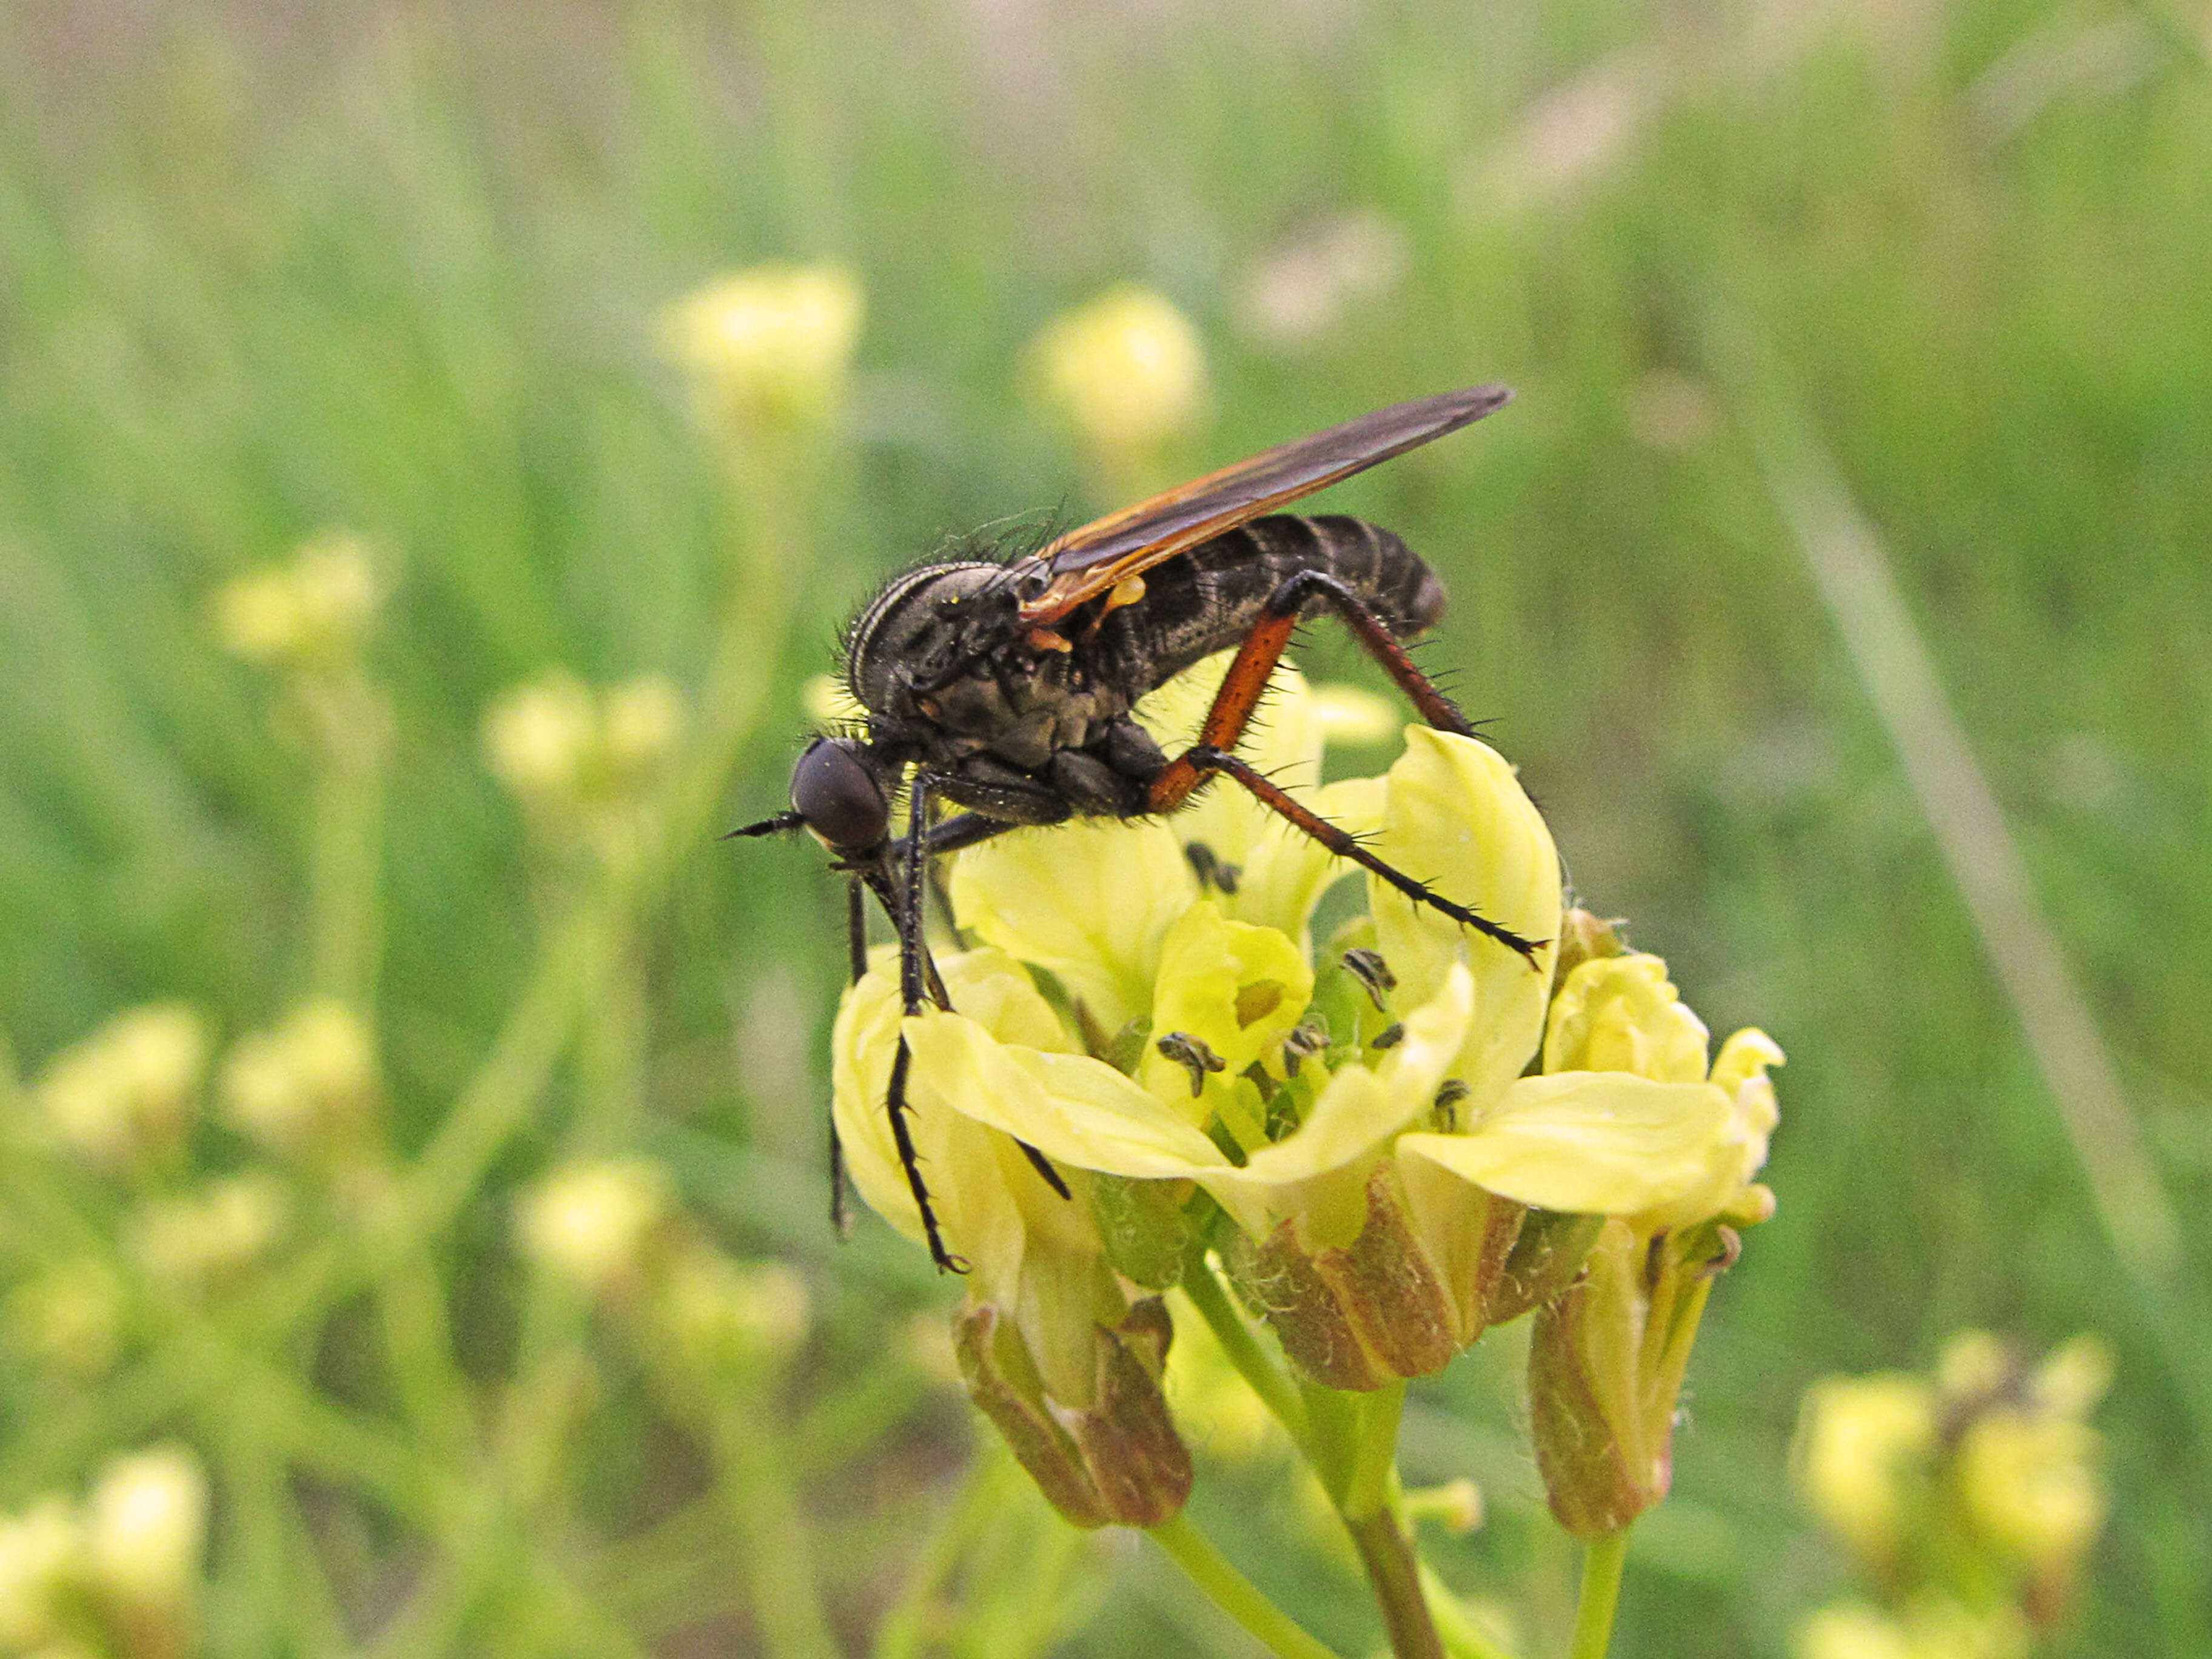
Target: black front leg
[{"x": 904, "y": 903}]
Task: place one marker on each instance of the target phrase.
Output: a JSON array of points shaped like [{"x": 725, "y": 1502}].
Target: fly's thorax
[{"x": 924, "y": 629}]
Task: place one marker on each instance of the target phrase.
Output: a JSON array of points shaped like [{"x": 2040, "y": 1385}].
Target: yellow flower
[
  {"x": 1386, "y": 1180},
  {"x": 1052, "y": 1348},
  {"x": 41, "y": 1557},
  {"x": 2030, "y": 1484},
  {"x": 198, "y": 1239},
  {"x": 1626, "y": 1120},
  {"x": 770, "y": 347},
  {"x": 1864, "y": 1449}
]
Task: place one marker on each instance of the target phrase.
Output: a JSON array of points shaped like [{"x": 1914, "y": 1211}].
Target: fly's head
[{"x": 929, "y": 628}]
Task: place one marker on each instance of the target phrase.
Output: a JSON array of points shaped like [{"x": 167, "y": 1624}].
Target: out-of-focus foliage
[{"x": 313, "y": 1213}]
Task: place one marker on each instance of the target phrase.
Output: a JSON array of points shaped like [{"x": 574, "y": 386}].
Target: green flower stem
[
  {"x": 1600, "y": 1595},
  {"x": 992, "y": 1481},
  {"x": 1356, "y": 1437},
  {"x": 1394, "y": 1572},
  {"x": 763, "y": 1505},
  {"x": 1232, "y": 1592},
  {"x": 1332, "y": 1448},
  {"x": 1265, "y": 1378},
  {"x": 1375, "y": 1452},
  {"x": 1464, "y": 1638},
  {"x": 345, "y": 858}
]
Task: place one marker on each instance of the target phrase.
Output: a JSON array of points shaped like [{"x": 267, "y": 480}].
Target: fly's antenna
[{"x": 774, "y": 826}]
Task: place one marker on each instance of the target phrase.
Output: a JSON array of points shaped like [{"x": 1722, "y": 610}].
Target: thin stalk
[
  {"x": 904, "y": 1631},
  {"x": 345, "y": 857},
  {"x": 1264, "y": 1377},
  {"x": 1232, "y": 1592},
  {"x": 1395, "y": 1573},
  {"x": 1600, "y": 1595},
  {"x": 1375, "y": 1453},
  {"x": 1463, "y": 1638},
  {"x": 779, "y": 1544}
]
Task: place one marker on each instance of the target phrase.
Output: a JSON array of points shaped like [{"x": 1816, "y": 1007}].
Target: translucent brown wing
[{"x": 1086, "y": 563}]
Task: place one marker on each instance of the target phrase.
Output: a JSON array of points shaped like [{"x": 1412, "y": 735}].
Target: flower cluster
[
  {"x": 118, "y": 1574},
  {"x": 1358, "y": 1134},
  {"x": 1968, "y": 1500}
]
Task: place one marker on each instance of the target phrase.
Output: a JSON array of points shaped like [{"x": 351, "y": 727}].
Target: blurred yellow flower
[
  {"x": 132, "y": 1089},
  {"x": 1127, "y": 373},
  {"x": 145, "y": 1529},
  {"x": 715, "y": 1313},
  {"x": 196, "y": 1240},
  {"x": 538, "y": 736},
  {"x": 1852, "y": 1631},
  {"x": 1973, "y": 1499},
  {"x": 307, "y": 1084},
  {"x": 1862, "y": 1443},
  {"x": 767, "y": 347},
  {"x": 2031, "y": 1483},
  {"x": 597, "y": 1226},
  {"x": 583, "y": 760},
  {"x": 69, "y": 1316},
  {"x": 41, "y": 1554},
  {"x": 313, "y": 612}
]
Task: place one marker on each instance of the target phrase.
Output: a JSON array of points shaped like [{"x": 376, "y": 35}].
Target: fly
[{"x": 1004, "y": 689}]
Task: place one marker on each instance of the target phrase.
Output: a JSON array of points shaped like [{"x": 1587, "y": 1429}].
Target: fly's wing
[{"x": 1088, "y": 561}]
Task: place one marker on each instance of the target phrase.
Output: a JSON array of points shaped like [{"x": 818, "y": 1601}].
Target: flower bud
[
  {"x": 195, "y": 1242},
  {"x": 1456, "y": 1505},
  {"x": 307, "y": 1086},
  {"x": 313, "y": 612},
  {"x": 1113, "y": 1460},
  {"x": 128, "y": 1092},
  {"x": 597, "y": 1225},
  {"x": 1584, "y": 937},
  {"x": 1368, "y": 1312},
  {"x": 767, "y": 347},
  {"x": 1605, "y": 1363}
]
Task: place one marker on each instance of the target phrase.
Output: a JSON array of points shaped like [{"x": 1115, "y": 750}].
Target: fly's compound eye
[{"x": 833, "y": 789}]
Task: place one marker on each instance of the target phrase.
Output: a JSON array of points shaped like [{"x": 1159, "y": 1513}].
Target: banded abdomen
[{"x": 1207, "y": 600}]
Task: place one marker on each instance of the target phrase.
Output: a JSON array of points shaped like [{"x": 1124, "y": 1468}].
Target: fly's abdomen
[{"x": 1207, "y": 600}]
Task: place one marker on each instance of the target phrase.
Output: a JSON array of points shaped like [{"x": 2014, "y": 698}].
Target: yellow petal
[
  {"x": 972, "y": 1188},
  {"x": 1238, "y": 988},
  {"x": 1455, "y": 817},
  {"x": 1088, "y": 901},
  {"x": 1072, "y": 1108},
  {"x": 1620, "y": 1014},
  {"x": 1594, "y": 1142}
]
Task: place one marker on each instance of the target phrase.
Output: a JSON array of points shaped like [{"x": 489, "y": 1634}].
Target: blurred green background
[{"x": 267, "y": 269}]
